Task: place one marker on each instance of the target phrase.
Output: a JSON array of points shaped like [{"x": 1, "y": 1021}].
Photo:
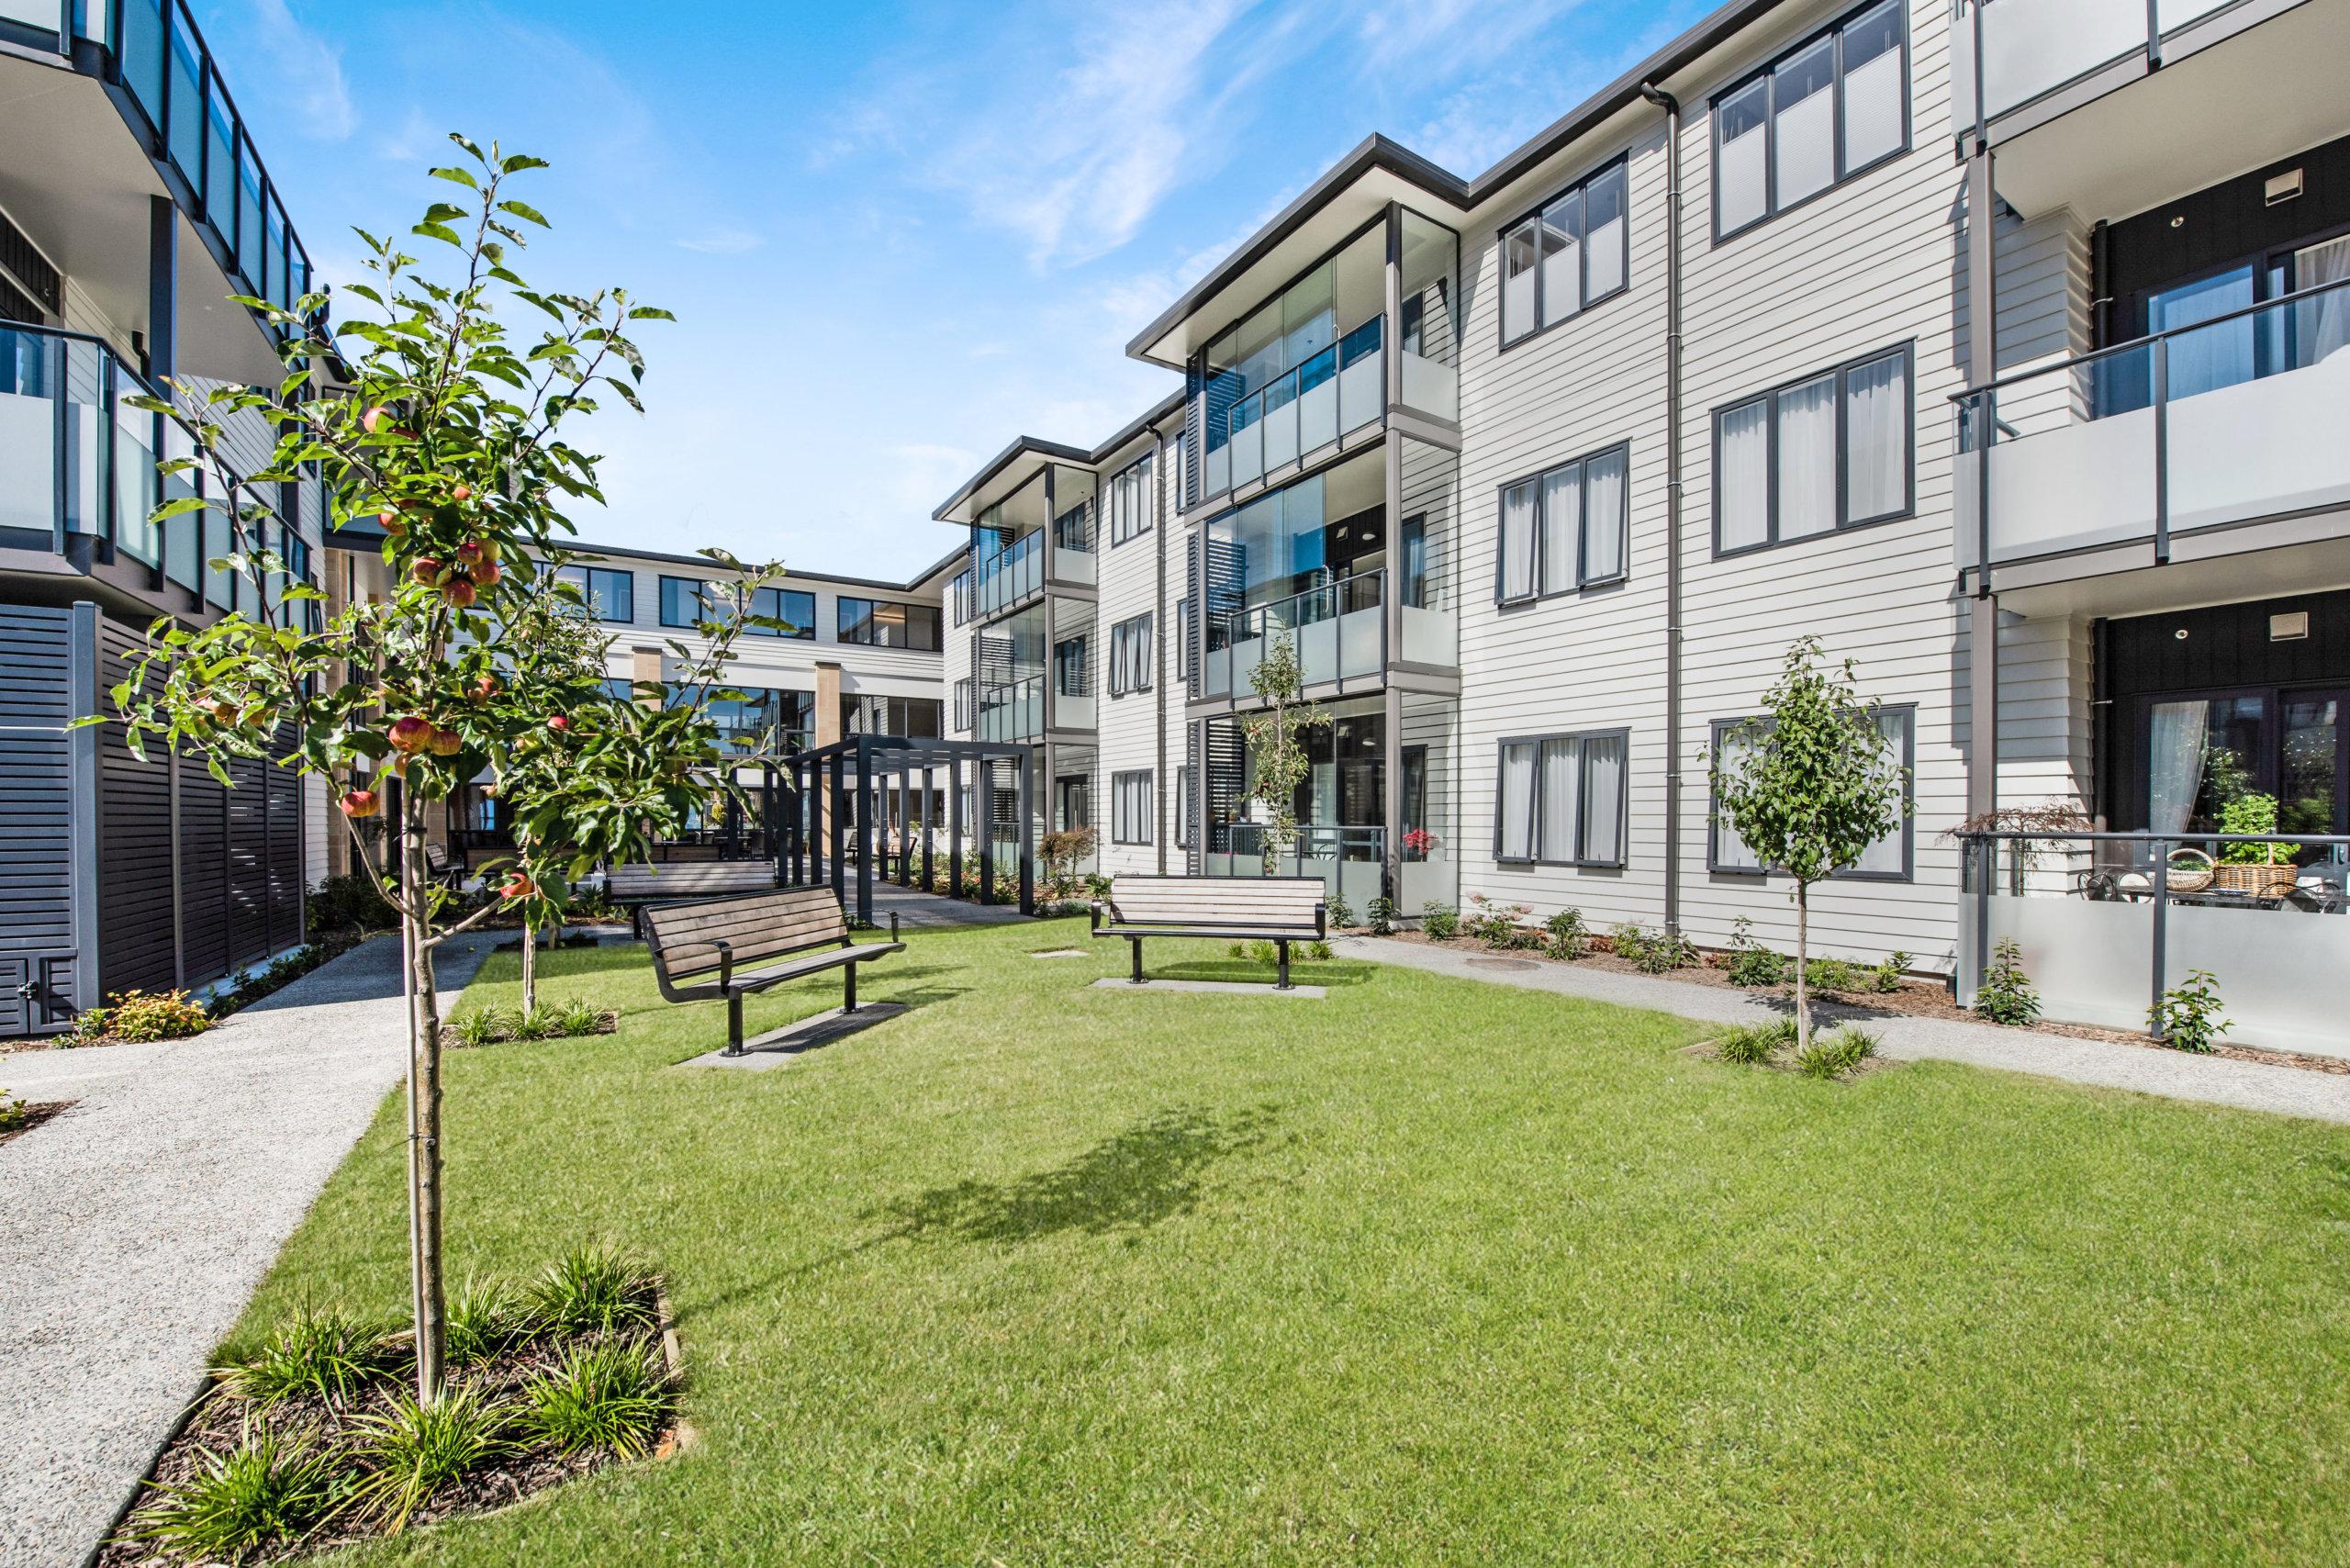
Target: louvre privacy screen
[{"x": 117, "y": 874}]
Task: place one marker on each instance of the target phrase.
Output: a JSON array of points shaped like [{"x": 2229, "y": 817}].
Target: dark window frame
[
  {"x": 1122, "y": 653},
  {"x": 963, "y": 702},
  {"x": 842, "y": 616},
  {"x": 701, "y": 592},
  {"x": 1583, "y": 800},
  {"x": 1582, "y": 582},
  {"x": 1771, "y": 208},
  {"x": 1908, "y": 829},
  {"x": 1123, "y": 528},
  {"x": 1123, "y": 821},
  {"x": 1581, "y": 185},
  {"x": 1769, "y": 397},
  {"x": 807, "y": 633},
  {"x": 586, "y": 583}
]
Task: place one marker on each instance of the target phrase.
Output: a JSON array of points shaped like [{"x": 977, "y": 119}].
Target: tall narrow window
[
  {"x": 1565, "y": 528},
  {"x": 1831, "y": 450},
  {"x": 1560, "y": 800},
  {"x": 1828, "y": 109},
  {"x": 1131, "y": 808},
  {"x": 1737, "y": 742},
  {"x": 1130, "y": 656},
  {"x": 1566, "y": 257}
]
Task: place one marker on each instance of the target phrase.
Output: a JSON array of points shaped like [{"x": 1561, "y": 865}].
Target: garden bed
[
  {"x": 551, "y": 1021},
  {"x": 19, "y": 1117},
  {"x": 317, "y": 1439}
]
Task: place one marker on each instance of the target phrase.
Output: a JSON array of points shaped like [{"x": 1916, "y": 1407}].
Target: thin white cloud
[
  {"x": 311, "y": 70},
  {"x": 721, "y": 241},
  {"x": 1435, "y": 38}
]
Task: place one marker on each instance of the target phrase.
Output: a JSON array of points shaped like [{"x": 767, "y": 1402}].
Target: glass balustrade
[
  {"x": 1337, "y": 631},
  {"x": 1002, "y": 580},
  {"x": 1012, "y": 711},
  {"x": 2225, "y": 420},
  {"x": 2031, "y": 47}
]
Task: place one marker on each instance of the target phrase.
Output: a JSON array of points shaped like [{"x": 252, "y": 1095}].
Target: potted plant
[{"x": 2250, "y": 868}]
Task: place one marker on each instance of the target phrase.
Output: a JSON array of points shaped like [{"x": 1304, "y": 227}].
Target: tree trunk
[
  {"x": 1803, "y": 995},
  {"x": 424, "y": 1120},
  {"x": 529, "y": 967}
]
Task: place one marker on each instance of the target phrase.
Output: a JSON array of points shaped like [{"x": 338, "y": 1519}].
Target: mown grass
[{"x": 1429, "y": 1270}]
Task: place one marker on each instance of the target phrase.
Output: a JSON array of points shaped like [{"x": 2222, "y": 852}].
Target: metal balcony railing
[
  {"x": 2032, "y": 48},
  {"x": 1337, "y": 629},
  {"x": 1012, "y": 711},
  {"x": 2230, "y": 419}
]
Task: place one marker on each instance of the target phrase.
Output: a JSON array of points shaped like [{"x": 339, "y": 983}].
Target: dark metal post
[
  {"x": 954, "y": 828},
  {"x": 2162, "y": 450},
  {"x": 906, "y": 827},
  {"x": 929, "y": 819},
  {"x": 983, "y": 798},
  {"x": 835, "y": 787},
  {"x": 863, "y": 834},
  {"x": 1027, "y": 835},
  {"x": 2162, "y": 935}
]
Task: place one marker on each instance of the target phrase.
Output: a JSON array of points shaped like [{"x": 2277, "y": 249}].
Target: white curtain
[
  {"x": 1563, "y": 258},
  {"x": 1739, "y": 164},
  {"x": 1885, "y": 857},
  {"x": 2180, "y": 737},
  {"x": 2321, "y": 325},
  {"x": 1742, "y": 454},
  {"x": 1603, "y": 517},
  {"x": 1516, "y": 803},
  {"x": 1876, "y": 437},
  {"x": 1603, "y": 796},
  {"x": 1517, "y": 281},
  {"x": 1803, "y": 113},
  {"x": 1730, "y": 850},
  {"x": 1517, "y": 541},
  {"x": 1807, "y": 458},
  {"x": 1561, "y": 521},
  {"x": 1560, "y": 782}
]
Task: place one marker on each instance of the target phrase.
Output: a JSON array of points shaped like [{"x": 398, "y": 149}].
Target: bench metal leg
[
  {"x": 1283, "y": 984},
  {"x": 734, "y": 1023},
  {"x": 1135, "y": 943},
  {"x": 848, "y": 988}
]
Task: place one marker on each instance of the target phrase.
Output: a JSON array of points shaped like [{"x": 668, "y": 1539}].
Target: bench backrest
[
  {"x": 684, "y": 937},
  {"x": 684, "y": 880},
  {"x": 436, "y": 858},
  {"x": 1273, "y": 903}
]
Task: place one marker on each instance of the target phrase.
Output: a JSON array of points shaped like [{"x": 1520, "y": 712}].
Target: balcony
[
  {"x": 78, "y": 467},
  {"x": 1338, "y": 631},
  {"x": 2108, "y": 107},
  {"x": 2210, "y": 441},
  {"x": 64, "y": 180},
  {"x": 1012, "y": 711},
  {"x": 1016, "y": 574},
  {"x": 2106, "y": 922}
]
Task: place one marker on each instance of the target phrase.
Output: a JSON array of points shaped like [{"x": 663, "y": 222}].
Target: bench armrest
[
  {"x": 1321, "y": 923},
  {"x": 725, "y": 963}
]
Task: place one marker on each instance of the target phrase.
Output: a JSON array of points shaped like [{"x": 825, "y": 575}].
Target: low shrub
[
  {"x": 1440, "y": 921},
  {"x": 1836, "y": 1053},
  {"x": 1752, "y": 1045},
  {"x": 1750, "y": 964},
  {"x": 479, "y": 1026},
  {"x": 483, "y": 1319},
  {"x": 1268, "y": 954},
  {"x": 2188, "y": 1018},
  {"x": 2006, "y": 995},
  {"x": 1889, "y": 972},
  {"x": 1832, "y": 975},
  {"x": 411, "y": 1450},
  {"x": 590, "y": 1289},
  {"x": 13, "y": 1113},
  {"x": 606, "y": 1396},
  {"x": 1495, "y": 925},
  {"x": 261, "y": 1495},
  {"x": 1382, "y": 914},
  {"x": 138, "y": 1017},
  {"x": 1566, "y": 933},
  {"x": 1340, "y": 913},
  {"x": 323, "y": 1352},
  {"x": 579, "y": 1016},
  {"x": 349, "y": 904},
  {"x": 1653, "y": 954}
]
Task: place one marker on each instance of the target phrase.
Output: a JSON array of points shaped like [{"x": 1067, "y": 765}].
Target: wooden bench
[
  {"x": 724, "y": 947},
  {"x": 640, "y": 886},
  {"x": 441, "y": 867},
  {"x": 1279, "y": 909}
]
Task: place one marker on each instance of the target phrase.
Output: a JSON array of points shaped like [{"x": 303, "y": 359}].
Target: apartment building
[
  {"x": 133, "y": 204},
  {"x": 1788, "y": 331},
  {"x": 861, "y": 657}
]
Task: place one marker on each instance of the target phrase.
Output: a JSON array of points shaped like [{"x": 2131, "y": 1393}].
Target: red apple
[
  {"x": 459, "y": 592},
  {"x": 469, "y": 554},
  {"x": 486, "y": 573},
  {"x": 484, "y": 689},
  {"x": 361, "y": 803},
  {"x": 488, "y": 548},
  {"x": 461, "y": 493},
  {"x": 412, "y": 734},
  {"x": 426, "y": 570},
  {"x": 447, "y": 743},
  {"x": 558, "y": 724},
  {"x": 517, "y": 885},
  {"x": 371, "y": 418}
]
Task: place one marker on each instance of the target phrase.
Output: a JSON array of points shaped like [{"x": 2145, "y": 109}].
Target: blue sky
[{"x": 895, "y": 237}]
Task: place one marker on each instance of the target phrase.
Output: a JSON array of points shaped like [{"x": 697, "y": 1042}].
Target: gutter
[{"x": 1673, "y": 492}]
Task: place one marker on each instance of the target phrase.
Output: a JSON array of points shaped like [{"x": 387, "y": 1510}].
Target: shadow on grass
[
  {"x": 1248, "y": 971},
  {"x": 1150, "y": 1172}
]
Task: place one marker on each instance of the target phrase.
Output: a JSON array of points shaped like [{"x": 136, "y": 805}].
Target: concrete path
[
  {"x": 2251, "y": 1086},
  {"x": 918, "y": 911},
  {"x": 137, "y": 1224}
]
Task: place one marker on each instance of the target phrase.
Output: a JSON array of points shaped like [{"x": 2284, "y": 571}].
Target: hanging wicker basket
[{"x": 2191, "y": 871}]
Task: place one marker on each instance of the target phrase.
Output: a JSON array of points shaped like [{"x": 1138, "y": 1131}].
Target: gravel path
[
  {"x": 2251, "y": 1086},
  {"x": 139, "y": 1222}
]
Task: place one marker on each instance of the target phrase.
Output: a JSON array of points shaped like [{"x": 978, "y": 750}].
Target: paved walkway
[
  {"x": 2252, "y": 1086},
  {"x": 138, "y": 1224},
  {"x": 918, "y": 911}
]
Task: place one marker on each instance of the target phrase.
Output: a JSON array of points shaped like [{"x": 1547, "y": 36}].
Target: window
[
  {"x": 1128, "y": 502},
  {"x": 1888, "y": 859},
  {"x": 1560, "y": 800},
  {"x": 1130, "y": 807},
  {"x": 963, "y": 703},
  {"x": 884, "y": 623},
  {"x": 1564, "y": 528},
  {"x": 1832, "y": 451},
  {"x": 1070, "y": 668},
  {"x": 688, "y": 601},
  {"x": 918, "y": 717},
  {"x": 1130, "y": 656},
  {"x": 1818, "y": 115},
  {"x": 1570, "y": 255},
  {"x": 609, "y": 593},
  {"x": 963, "y": 596},
  {"x": 795, "y": 609}
]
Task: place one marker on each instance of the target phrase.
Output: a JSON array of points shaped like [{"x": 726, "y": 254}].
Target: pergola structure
[{"x": 851, "y": 776}]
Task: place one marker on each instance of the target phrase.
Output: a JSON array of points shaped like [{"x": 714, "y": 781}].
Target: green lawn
[{"x": 1429, "y": 1270}]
